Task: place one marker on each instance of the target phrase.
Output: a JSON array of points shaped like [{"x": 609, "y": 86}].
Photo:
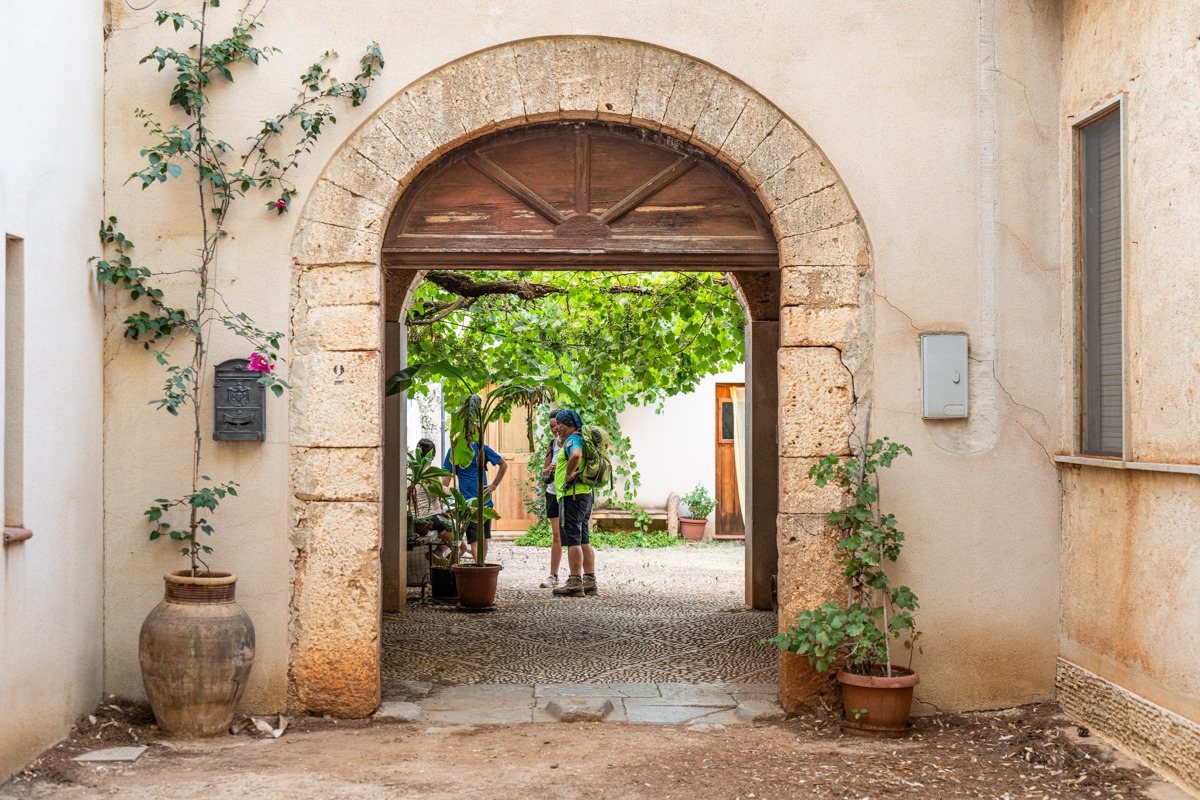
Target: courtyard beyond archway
[{"x": 669, "y": 615}]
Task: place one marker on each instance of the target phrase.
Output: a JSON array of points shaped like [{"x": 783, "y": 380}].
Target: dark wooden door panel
[{"x": 584, "y": 195}]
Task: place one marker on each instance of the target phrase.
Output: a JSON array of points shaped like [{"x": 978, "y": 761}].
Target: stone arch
[{"x": 336, "y": 408}]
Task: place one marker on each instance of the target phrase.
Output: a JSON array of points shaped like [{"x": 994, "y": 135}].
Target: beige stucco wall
[
  {"x": 1131, "y": 559},
  {"x": 940, "y": 168},
  {"x": 676, "y": 449},
  {"x": 51, "y": 194}
]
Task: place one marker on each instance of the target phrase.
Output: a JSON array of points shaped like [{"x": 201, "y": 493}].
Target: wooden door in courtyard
[
  {"x": 511, "y": 440},
  {"x": 729, "y": 522}
]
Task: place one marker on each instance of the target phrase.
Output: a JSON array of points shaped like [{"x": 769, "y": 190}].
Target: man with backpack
[{"x": 575, "y": 507}]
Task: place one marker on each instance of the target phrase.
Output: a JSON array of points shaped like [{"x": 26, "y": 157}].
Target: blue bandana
[{"x": 569, "y": 417}]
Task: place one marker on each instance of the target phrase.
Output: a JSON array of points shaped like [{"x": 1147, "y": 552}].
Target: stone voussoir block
[
  {"x": 336, "y": 205},
  {"x": 362, "y": 177},
  {"x": 617, "y": 77},
  {"x": 726, "y": 103},
  {"x": 500, "y": 85},
  {"x": 350, "y": 474},
  {"x": 802, "y": 326},
  {"x": 689, "y": 96},
  {"x": 349, "y": 285},
  {"x": 818, "y": 287},
  {"x": 402, "y": 120},
  {"x": 434, "y": 106},
  {"x": 798, "y": 495},
  {"x": 320, "y": 244},
  {"x": 807, "y": 174},
  {"x": 657, "y": 75},
  {"x": 577, "y": 62},
  {"x": 376, "y": 142},
  {"x": 815, "y": 401},
  {"x": 337, "y": 328},
  {"x": 755, "y": 124},
  {"x": 827, "y": 208},
  {"x": 535, "y": 60},
  {"x": 842, "y": 245},
  {"x": 337, "y": 400},
  {"x": 782, "y": 146},
  {"x": 468, "y": 103}
]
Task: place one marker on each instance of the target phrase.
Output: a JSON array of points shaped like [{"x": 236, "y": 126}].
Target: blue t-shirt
[{"x": 468, "y": 477}]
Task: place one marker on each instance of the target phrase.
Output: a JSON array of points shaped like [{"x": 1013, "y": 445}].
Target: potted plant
[
  {"x": 476, "y": 582},
  {"x": 423, "y": 473},
  {"x": 699, "y": 505},
  {"x": 196, "y": 647},
  {"x": 859, "y": 637}
]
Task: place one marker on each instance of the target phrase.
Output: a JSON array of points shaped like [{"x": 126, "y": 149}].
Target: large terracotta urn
[{"x": 196, "y": 650}]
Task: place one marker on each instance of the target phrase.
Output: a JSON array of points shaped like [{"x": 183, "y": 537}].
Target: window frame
[{"x": 1117, "y": 104}]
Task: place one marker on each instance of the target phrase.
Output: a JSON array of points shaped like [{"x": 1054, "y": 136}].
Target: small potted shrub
[
  {"x": 860, "y": 636},
  {"x": 699, "y": 505}
]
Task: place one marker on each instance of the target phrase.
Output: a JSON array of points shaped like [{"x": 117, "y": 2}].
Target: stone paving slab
[
  {"x": 597, "y": 690},
  {"x": 649, "y": 712},
  {"x": 644, "y": 704}
]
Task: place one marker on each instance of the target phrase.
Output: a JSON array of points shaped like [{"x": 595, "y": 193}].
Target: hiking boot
[
  {"x": 589, "y": 586},
  {"x": 550, "y": 582},
  {"x": 572, "y": 588}
]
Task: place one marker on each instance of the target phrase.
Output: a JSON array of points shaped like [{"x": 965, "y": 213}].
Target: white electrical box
[{"x": 944, "y": 375}]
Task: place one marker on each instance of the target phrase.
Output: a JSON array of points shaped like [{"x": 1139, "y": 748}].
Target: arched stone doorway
[
  {"x": 585, "y": 196},
  {"x": 339, "y": 301}
]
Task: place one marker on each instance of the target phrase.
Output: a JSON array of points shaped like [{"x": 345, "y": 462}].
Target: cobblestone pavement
[{"x": 664, "y": 616}]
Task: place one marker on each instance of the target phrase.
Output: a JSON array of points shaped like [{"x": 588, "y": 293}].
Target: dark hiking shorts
[
  {"x": 551, "y": 505},
  {"x": 573, "y": 519},
  {"x": 473, "y": 531}
]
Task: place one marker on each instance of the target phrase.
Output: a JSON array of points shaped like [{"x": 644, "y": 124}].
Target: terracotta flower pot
[
  {"x": 476, "y": 585},
  {"x": 692, "y": 529},
  {"x": 196, "y": 649},
  {"x": 876, "y": 705}
]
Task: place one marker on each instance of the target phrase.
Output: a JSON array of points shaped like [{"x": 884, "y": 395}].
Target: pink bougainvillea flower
[
  {"x": 280, "y": 204},
  {"x": 259, "y": 364}
]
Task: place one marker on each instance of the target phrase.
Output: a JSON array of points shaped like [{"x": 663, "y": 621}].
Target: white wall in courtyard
[
  {"x": 51, "y": 197},
  {"x": 677, "y": 448}
]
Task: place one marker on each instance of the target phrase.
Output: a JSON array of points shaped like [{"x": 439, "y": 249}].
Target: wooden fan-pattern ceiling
[{"x": 579, "y": 196}]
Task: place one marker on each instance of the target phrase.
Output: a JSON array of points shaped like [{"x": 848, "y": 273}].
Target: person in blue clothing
[{"x": 468, "y": 484}]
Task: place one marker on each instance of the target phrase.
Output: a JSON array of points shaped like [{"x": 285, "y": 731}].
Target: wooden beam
[
  {"x": 648, "y": 188},
  {"x": 514, "y": 187}
]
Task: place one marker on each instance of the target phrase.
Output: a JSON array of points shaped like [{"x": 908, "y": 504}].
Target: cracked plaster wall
[
  {"x": 1131, "y": 559},
  {"x": 904, "y": 134}
]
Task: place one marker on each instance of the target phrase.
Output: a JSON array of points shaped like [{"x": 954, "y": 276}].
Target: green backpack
[{"x": 597, "y": 467}]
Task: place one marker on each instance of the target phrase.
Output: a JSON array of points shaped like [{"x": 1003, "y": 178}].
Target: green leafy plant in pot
[
  {"x": 196, "y": 648},
  {"x": 469, "y": 420},
  {"x": 699, "y": 505},
  {"x": 862, "y": 635},
  {"x": 426, "y": 476}
]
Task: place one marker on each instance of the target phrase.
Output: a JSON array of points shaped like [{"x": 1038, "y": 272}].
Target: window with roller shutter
[{"x": 1102, "y": 362}]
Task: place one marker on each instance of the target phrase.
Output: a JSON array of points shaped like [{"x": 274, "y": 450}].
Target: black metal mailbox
[{"x": 241, "y": 403}]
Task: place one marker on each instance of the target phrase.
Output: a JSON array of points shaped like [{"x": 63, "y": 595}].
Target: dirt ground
[{"x": 1028, "y": 752}]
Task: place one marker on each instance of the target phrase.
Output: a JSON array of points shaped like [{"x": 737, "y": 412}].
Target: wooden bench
[{"x": 669, "y": 513}]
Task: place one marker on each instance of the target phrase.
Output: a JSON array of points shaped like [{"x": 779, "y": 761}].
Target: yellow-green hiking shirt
[{"x": 574, "y": 442}]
